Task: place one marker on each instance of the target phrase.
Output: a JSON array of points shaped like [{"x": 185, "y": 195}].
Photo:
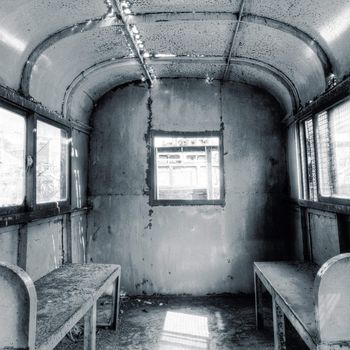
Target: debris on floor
[{"x": 179, "y": 323}]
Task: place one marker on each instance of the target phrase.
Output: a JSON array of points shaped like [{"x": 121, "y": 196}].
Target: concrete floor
[{"x": 188, "y": 323}]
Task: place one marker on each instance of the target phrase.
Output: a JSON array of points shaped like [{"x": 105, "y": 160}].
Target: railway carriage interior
[{"x": 175, "y": 174}]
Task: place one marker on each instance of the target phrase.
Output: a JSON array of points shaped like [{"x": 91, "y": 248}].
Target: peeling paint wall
[{"x": 187, "y": 249}]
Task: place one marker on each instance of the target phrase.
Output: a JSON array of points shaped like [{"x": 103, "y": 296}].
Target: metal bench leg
[
  {"x": 115, "y": 304},
  {"x": 278, "y": 326},
  {"x": 90, "y": 329},
  {"x": 259, "y": 316}
]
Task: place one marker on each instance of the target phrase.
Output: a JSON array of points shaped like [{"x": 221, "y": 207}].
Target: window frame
[
  {"x": 333, "y": 200},
  {"x": 153, "y": 201},
  {"x": 29, "y": 209}
]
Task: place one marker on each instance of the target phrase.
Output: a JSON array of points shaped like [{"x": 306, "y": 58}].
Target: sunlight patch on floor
[{"x": 184, "y": 331}]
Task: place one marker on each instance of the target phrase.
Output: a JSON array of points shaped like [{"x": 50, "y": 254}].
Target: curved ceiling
[{"x": 66, "y": 54}]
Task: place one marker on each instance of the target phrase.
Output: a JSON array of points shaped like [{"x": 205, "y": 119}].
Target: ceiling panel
[
  {"x": 60, "y": 64},
  {"x": 205, "y": 29},
  {"x": 25, "y": 25},
  {"x": 287, "y": 54},
  {"x": 8, "y": 6},
  {"x": 191, "y": 38},
  {"x": 327, "y": 21},
  {"x": 147, "y": 6}
]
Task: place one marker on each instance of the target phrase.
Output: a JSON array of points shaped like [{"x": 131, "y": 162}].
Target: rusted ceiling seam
[
  {"x": 234, "y": 38},
  {"x": 183, "y": 16},
  {"x": 280, "y": 76}
]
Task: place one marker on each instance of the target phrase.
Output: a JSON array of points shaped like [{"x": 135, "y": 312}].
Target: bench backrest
[
  {"x": 18, "y": 307},
  {"x": 332, "y": 299}
]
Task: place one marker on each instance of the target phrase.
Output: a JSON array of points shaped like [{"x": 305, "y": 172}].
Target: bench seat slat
[
  {"x": 65, "y": 295},
  {"x": 293, "y": 282}
]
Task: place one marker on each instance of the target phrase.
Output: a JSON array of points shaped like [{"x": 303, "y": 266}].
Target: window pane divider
[{"x": 30, "y": 168}]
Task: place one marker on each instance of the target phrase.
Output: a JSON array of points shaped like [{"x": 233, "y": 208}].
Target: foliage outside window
[
  {"x": 12, "y": 158},
  {"x": 187, "y": 168},
  {"x": 325, "y": 148},
  {"x": 51, "y": 163},
  {"x": 34, "y": 162}
]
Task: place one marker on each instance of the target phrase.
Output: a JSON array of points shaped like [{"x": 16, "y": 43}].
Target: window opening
[
  {"x": 12, "y": 158},
  {"x": 187, "y": 168},
  {"x": 51, "y": 163}
]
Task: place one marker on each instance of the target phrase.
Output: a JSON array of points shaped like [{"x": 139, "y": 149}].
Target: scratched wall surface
[
  {"x": 9, "y": 244},
  {"x": 45, "y": 251},
  {"x": 186, "y": 249},
  {"x": 324, "y": 236}
]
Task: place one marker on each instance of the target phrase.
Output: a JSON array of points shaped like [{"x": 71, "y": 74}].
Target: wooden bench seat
[
  {"x": 304, "y": 293},
  {"x": 48, "y": 309}
]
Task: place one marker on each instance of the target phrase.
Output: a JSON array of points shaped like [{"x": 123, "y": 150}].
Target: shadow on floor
[{"x": 181, "y": 323}]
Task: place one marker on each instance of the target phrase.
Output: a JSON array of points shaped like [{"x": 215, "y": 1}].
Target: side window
[
  {"x": 12, "y": 158},
  {"x": 51, "y": 163},
  {"x": 34, "y": 162},
  {"x": 334, "y": 151},
  {"x": 325, "y": 154}
]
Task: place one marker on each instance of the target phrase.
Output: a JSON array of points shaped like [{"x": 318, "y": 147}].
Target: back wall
[{"x": 187, "y": 249}]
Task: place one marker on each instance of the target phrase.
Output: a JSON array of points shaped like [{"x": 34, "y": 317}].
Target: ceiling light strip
[{"x": 125, "y": 12}]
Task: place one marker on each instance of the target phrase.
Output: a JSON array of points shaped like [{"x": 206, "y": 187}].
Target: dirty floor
[{"x": 188, "y": 323}]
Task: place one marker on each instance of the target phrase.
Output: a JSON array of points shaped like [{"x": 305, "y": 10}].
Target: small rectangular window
[
  {"x": 333, "y": 148},
  {"x": 51, "y": 163},
  {"x": 187, "y": 168},
  {"x": 12, "y": 158}
]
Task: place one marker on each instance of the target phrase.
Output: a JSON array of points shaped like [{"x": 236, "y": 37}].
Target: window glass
[
  {"x": 310, "y": 160},
  {"x": 323, "y": 154},
  {"x": 51, "y": 163},
  {"x": 12, "y": 158},
  {"x": 304, "y": 192},
  {"x": 187, "y": 168},
  {"x": 334, "y": 151}
]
